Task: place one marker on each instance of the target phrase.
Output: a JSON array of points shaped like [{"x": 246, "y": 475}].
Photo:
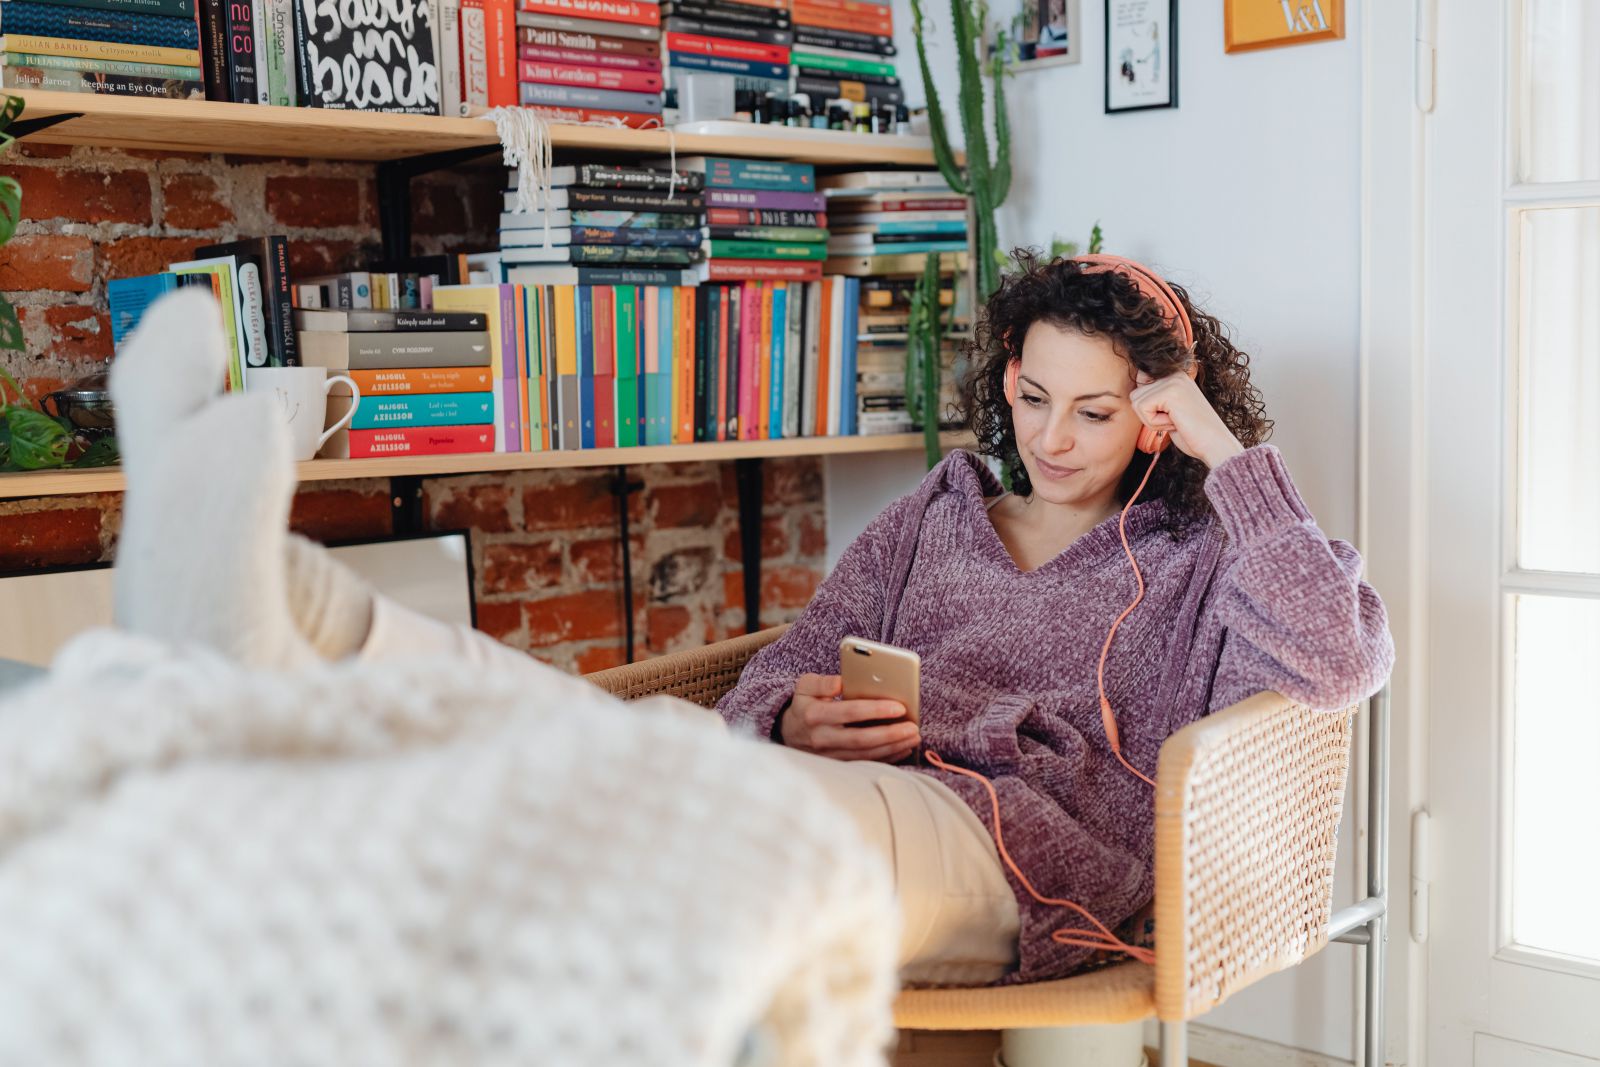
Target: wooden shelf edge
[
  {"x": 109, "y": 480},
  {"x": 316, "y": 133}
]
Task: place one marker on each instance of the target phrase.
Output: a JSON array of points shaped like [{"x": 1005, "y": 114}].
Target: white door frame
[{"x": 1391, "y": 467}]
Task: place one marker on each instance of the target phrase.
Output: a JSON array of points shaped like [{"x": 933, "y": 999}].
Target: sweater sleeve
[
  {"x": 851, "y": 602},
  {"x": 1297, "y": 617}
]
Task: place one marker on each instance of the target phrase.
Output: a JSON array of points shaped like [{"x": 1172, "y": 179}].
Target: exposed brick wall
[{"x": 545, "y": 546}]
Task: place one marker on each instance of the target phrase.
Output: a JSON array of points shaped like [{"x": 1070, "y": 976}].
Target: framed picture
[
  {"x": 1141, "y": 54},
  {"x": 1252, "y": 24},
  {"x": 1043, "y": 33}
]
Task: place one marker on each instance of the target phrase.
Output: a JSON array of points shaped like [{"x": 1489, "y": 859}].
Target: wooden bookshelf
[
  {"x": 315, "y": 133},
  {"x": 109, "y": 479}
]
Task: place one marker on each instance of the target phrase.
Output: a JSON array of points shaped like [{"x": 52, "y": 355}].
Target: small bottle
[
  {"x": 902, "y": 119},
  {"x": 863, "y": 122},
  {"x": 838, "y": 116},
  {"x": 885, "y": 116},
  {"x": 796, "y": 116},
  {"x": 743, "y": 105}
]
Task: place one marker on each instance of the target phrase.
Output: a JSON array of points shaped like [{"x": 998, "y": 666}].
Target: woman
[{"x": 1009, "y": 598}]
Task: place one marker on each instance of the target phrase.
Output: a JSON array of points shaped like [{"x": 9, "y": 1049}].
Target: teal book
[
  {"x": 424, "y": 409},
  {"x": 897, "y": 247},
  {"x": 780, "y": 322},
  {"x": 131, "y": 297},
  {"x": 179, "y": 9},
  {"x": 626, "y": 301},
  {"x": 722, "y": 172}
]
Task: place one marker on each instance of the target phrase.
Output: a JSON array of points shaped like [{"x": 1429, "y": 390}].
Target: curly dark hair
[{"x": 1059, "y": 292}]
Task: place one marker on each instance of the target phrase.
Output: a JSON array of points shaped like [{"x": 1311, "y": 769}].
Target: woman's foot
[{"x": 201, "y": 556}]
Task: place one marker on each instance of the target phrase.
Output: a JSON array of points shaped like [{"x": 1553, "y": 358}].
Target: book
[
  {"x": 352, "y": 289},
  {"x": 126, "y": 53},
  {"x": 535, "y": 252},
  {"x": 416, "y": 409},
  {"x": 642, "y": 236},
  {"x": 277, "y": 29},
  {"x": 908, "y": 263},
  {"x": 598, "y": 27},
  {"x": 239, "y": 23},
  {"x": 806, "y": 14},
  {"x": 682, "y": 203},
  {"x": 723, "y": 13},
  {"x": 571, "y": 275},
  {"x": 531, "y": 31},
  {"x": 92, "y": 24},
  {"x": 500, "y": 51},
  {"x": 575, "y": 96},
  {"x": 336, "y": 68},
  {"x": 730, "y": 216},
  {"x": 393, "y": 321},
  {"x": 619, "y": 176},
  {"x": 81, "y": 81},
  {"x": 227, "y": 291},
  {"x": 844, "y": 41},
  {"x": 181, "y": 9},
  {"x": 844, "y": 89},
  {"x": 529, "y": 229},
  {"x": 608, "y": 60},
  {"x": 823, "y": 74},
  {"x": 500, "y": 303},
  {"x": 395, "y": 381},
  {"x": 474, "y": 55},
  {"x": 636, "y": 220},
  {"x": 764, "y": 199},
  {"x": 637, "y": 120},
  {"x": 636, "y": 81},
  {"x": 722, "y": 172},
  {"x": 614, "y": 255},
  {"x": 270, "y": 258},
  {"x": 768, "y": 250},
  {"x": 384, "y": 350},
  {"x": 778, "y": 35},
  {"x": 727, "y": 49},
  {"x": 823, "y": 61},
  {"x": 717, "y": 64},
  {"x": 896, "y": 248},
  {"x": 448, "y": 49},
  {"x": 415, "y": 441},
  {"x": 130, "y": 298},
  {"x": 630, "y": 11},
  {"x": 930, "y": 180},
  {"x": 725, "y": 270},
  {"x": 766, "y": 233}
]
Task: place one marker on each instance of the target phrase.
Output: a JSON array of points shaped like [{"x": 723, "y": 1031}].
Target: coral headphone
[{"x": 1150, "y": 284}]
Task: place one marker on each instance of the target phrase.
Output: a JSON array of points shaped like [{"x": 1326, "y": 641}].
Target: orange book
[
  {"x": 398, "y": 382},
  {"x": 780, "y": 5},
  {"x": 824, "y": 337},
  {"x": 686, "y": 362},
  {"x": 632, "y": 119},
  {"x": 807, "y": 15}
]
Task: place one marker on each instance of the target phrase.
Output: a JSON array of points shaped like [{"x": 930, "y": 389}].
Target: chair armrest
[
  {"x": 1248, "y": 803},
  {"x": 701, "y": 675}
]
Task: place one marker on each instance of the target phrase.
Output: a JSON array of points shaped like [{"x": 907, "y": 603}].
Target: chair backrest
[
  {"x": 701, "y": 675},
  {"x": 1248, "y": 803}
]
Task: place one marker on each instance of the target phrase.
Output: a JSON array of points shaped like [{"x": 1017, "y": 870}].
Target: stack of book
[
  {"x": 591, "y": 59},
  {"x": 747, "y": 39},
  {"x": 764, "y": 219},
  {"x": 115, "y": 47},
  {"x": 843, "y": 49},
  {"x": 249, "y": 278},
  {"x": 885, "y": 223},
  {"x": 378, "y": 289},
  {"x": 426, "y": 379},
  {"x": 605, "y": 218}
]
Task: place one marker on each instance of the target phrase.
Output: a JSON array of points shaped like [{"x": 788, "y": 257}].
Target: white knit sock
[
  {"x": 330, "y": 603},
  {"x": 200, "y": 558}
]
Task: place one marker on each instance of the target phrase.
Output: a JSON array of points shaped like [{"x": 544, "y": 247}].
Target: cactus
[
  {"x": 924, "y": 341},
  {"x": 985, "y": 181}
]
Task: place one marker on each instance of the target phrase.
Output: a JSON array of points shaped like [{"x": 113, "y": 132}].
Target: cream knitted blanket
[{"x": 419, "y": 864}]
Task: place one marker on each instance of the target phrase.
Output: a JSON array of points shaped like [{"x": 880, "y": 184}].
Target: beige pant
[{"x": 960, "y": 918}]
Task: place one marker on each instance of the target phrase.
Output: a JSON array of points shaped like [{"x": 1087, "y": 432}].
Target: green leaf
[
  {"x": 37, "y": 440},
  {"x": 103, "y": 453},
  {"x": 10, "y": 208},
  {"x": 10, "y": 111},
  {"x": 10, "y": 328},
  {"x": 11, "y": 383}
]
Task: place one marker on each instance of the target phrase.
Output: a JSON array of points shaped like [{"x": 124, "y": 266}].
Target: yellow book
[
  {"x": 124, "y": 53},
  {"x": 896, "y": 263},
  {"x": 568, "y": 403},
  {"x": 486, "y": 300}
]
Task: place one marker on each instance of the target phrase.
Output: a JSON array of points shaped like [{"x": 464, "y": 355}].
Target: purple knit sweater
[{"x": 1259, "y": 600}]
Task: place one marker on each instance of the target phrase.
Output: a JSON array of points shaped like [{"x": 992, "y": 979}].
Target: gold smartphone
[{"x": 874, "y": 671}]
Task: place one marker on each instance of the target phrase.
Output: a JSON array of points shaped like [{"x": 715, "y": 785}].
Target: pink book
[
  {"x": 749, "y": 355},
  {"x": 651, "y": 329}
]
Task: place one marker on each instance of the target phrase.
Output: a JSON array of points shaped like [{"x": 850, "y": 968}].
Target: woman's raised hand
[
  {"x": 1176, "y": 404},
  {"x": 817, "y": 721}
]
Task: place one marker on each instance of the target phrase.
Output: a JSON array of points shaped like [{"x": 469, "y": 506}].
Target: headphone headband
[{"x": 1149, "y": 284}]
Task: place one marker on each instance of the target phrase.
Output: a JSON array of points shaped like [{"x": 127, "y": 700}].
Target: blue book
[
  {"x": 89, "y": 24},
  {"x": 948, "y": 226},
  {"x": 847, "y": 377},
  {"x": 780, "y": 320},
  {"x": 585, "y": 366},
  {"x": 893, "y": 248},
  {"x": 724, "y": 172},
  {"x": 130, "y": 298},
  {"x": 424, "y": 409},
  {"x": 747, "y": 67},
  {"x": 666, "y": 362}
]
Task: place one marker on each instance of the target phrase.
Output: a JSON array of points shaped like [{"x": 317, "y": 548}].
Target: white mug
[{"x": 302, "y": 393}]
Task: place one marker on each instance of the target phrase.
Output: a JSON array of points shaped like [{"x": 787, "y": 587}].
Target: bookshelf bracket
[
  {"x": 405, "y": 505},
  {"x": 394, "y": 192},
  {"x": 624, "y": 487},
  {"x": 747, "y": 476},
  {"x": 27, "y": 127}
]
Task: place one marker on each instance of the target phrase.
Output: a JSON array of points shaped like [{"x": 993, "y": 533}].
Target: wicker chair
[{"x": 1247, "y": 814}]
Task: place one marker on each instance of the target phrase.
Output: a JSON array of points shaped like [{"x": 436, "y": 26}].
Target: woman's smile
[{"x": 1051, "y": 470}]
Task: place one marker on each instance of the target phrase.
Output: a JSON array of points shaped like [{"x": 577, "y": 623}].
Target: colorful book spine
[
  {"x": 585, "y": 41},
  {"x": 401, "y": 381},
  {"x": 821, "y": 61},
  {"x": 781, "y": 234},
  {"x": 113, "y": 50},
  {"x": 500, "y": 51},
  {"x": 732, "y": 216},
  {"x": 723, "y": 270},
  {"x": 586, "y": 388},
  {"x": 634, "y": 81},
  {"x": 844, "y": 40},
  {"x": 769, "y": 250},
  {"x": 242, "y": 57},
  {"x": 719, "y": 65},
  {"x": 418, "y": 441},
  {"x": 626, "y": 362},
  {"x": 177, "y": 9},
  {"x": 727, "y": 49},
  {"x": 608, "y": 235},
  {"x": 578, "y": 96},
  {"x": 424, "y": 409},
  {"x": 78, "y": 81},
  {"x": 508, "y": 367},
  {"x": 632, "y": 11},
  {"x": 608, "y": 60},
  {"x": 100, "y": 66},
  {"x": 852, "y": 304},
  {"x": 719, "y": 27},
  {"x": 763, "y": 199},
  {"x": 632, "y": 119},
  {"x": 89, "y": 24},
  {"x": 779, "y": 321}
]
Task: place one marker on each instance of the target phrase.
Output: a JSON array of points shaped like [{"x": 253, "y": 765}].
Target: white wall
[{"x": 1248, "y": 194}]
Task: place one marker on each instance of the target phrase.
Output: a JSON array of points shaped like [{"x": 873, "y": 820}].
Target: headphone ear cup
[
  {"x": 1151, "y": 440},
  {"x": 1013, "y": 368}
]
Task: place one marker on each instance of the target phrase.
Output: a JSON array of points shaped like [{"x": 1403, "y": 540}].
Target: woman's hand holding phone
[{"x": 817, "y": 721}]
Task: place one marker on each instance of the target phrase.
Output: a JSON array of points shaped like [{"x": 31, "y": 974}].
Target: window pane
[
  {"x": 1556, "y": 775},
  {"x": 1561, "y": 91},
  {"x": 1559, "y": 423}
]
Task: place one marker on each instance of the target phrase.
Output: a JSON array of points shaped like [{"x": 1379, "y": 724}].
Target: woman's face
[{"x": 1075, "y": 428}]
